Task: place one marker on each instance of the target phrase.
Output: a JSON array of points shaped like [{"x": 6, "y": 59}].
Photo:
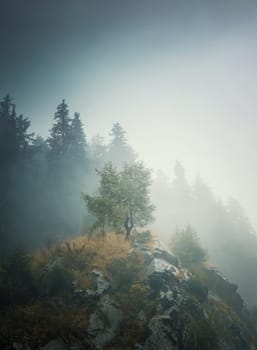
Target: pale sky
[{"x": 179, "y": 77}]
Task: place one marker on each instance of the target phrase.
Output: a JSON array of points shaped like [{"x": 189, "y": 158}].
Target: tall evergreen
[
  {"x": 60, "y": 134},
  {"x": 15, "y": 144},
  {"x": 8, "y": 132},
  {"x": 119, "y": 150},
  {"x": 24, "y": 139},
  {"x": 78, "y": 139}
]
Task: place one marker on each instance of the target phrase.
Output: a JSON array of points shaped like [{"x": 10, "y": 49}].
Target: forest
[{"x": 78, "y": 215}]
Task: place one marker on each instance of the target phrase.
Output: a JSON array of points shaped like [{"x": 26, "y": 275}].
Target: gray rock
[
  {"x": 166, "y": 255},
  {"x": 168, "y": 295},
  {"x": 164, "y": 335},
  {"x": 159, "y": 266},
  {"x": 104, "y": 322},
  {"x": 102, "y": 284}
]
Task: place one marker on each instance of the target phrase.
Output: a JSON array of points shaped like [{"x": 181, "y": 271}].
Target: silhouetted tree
[
  {"x": 119, "y": 151},
  {"x": 78, "y": 139},
  {"x": 60, "y": 134}
]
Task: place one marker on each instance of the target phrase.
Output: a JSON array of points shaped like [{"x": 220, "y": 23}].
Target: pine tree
[
  {"x": 8, "y": 132},
  {"x": 119, "y": 150},
  {"x": 60, "y": 134},
  {"x": 15, "y": 142},
  {"x": 78, "y": 139}
]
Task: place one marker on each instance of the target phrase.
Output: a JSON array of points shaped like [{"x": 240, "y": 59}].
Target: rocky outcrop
[
  {"x": 225, "y": 289},
  {"x": 185, "y": 317},
  {"x": 185, "y": 314},
  {"x": 105, "y": 321}
]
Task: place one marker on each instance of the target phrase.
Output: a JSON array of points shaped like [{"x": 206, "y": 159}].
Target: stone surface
[{"x": 104, "y": 322}]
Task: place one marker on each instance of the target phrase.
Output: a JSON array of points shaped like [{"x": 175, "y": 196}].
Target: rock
[
  {"x": 141, "y": 318},
  {"x": 164, "y": 254},
  {"x": 102, "y": 284},
  {"x": 159, "y": 266},
  {"x": 104, "y": 322},
  {"x": 224, "y": 289},
  {"x": 164, "y": 334},
  {"x": 167, "y": 296},
  {"x": 17, "y": 346}
]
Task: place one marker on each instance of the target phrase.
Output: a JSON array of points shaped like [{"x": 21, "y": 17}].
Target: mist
[
  {"x": 128, "y": 170},
  {"x": 180, "y": 78}
]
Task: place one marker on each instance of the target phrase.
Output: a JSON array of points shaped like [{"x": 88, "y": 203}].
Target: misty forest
[{"x": 128, "y": 175}]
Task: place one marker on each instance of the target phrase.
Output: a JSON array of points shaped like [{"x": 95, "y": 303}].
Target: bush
[
  {"x": 186, "y": 246},
  {"x": 18, "y": 281},
  {"x": 141, "y": 237},
  {"x": 125, "y": 271}
]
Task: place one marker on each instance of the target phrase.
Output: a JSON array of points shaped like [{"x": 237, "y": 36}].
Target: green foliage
[
  {"x": 199, "y": 334},
  {"x": 143, "y": 237},
  {"x": 122, "y": 196},
  {"x": 198, "y": 288},
  {"x": 126, "y": 270},
  {"x": 186, "y": 246}
]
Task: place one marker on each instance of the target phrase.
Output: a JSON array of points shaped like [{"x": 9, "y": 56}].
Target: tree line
[
  {"x": 41, "y": 180},
  {"x": 223, "y": 227}
]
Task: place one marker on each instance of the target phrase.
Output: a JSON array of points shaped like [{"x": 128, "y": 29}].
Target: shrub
[
  {"x": 125, "y": 271},
  {"x": 186, "y": 246},
  {"x": 18, "y": 281},
  {"x": 142, "y": 237}
]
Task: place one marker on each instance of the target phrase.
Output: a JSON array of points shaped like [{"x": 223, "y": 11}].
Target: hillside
[{"x": 108, "y": 293}]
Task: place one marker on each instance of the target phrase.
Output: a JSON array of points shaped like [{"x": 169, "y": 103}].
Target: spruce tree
[
  {"x": 60, "y": 134},
  {"x": 120, "y": 151},
  {"x": 78, "y": 139}
]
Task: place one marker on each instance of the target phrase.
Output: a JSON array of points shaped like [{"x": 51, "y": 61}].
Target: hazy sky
[{"x": 180, "y": 76}]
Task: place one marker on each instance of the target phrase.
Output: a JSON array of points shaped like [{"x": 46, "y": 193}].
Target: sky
[{"x": 180, "y": 76}]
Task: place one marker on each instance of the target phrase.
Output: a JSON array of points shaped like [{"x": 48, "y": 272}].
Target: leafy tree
[{"x": 122, "y": 200}]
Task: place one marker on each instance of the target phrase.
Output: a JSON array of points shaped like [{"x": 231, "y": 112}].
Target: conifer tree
[
  {"x": 8, "y": 134},
  {"x": 78, "y": 139},
  {"x": 119, "y": 150},
  {"x": 60, "y": 134}
]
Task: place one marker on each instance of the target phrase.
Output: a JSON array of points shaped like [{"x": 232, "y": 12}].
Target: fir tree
[
  {"x": 60, "y": 134},
  {"x": 119, "y": 150},
  {"x": 78, "y": 139}
]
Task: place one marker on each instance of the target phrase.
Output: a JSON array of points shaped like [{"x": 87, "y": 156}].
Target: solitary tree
[{"x": 122, "y": 199}]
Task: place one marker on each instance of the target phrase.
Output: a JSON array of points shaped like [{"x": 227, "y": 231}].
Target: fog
[{"x": 179, "y": 77}]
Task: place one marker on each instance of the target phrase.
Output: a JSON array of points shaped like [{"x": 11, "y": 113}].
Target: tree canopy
[{"x": 122, "y": 199}]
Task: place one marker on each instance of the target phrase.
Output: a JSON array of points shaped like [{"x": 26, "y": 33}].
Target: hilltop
[{"x": 109, "y": 293}]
